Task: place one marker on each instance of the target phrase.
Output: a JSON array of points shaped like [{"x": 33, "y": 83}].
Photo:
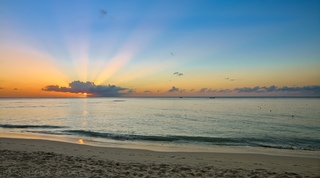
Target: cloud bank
[
  {"x": 314, "y": 89},
  {"x": 303, "y": 89},
  {"x": 90, "y": 88}
]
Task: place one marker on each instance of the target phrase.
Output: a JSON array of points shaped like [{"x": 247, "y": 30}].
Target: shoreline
[
  {"x": 162, "y": 147},
  {"x": 190, "y": 164}
]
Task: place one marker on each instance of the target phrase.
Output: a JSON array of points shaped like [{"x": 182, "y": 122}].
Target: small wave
[
  {"x": 118, "y": 100},
  {"x": 149, "y": 137},
  {"x": 10, "y": 126},
  {"x": 254, "y": 142},
  {"x": 48, "y": 132}
]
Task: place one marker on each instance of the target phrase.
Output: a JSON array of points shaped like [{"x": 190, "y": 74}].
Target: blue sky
[{"x": 138, "y": 45}]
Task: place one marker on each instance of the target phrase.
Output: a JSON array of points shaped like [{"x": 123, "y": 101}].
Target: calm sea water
[{"x": 282, "y": 123}]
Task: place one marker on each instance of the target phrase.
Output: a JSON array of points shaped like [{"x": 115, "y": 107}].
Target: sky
[{"x": 83, "y": 48}]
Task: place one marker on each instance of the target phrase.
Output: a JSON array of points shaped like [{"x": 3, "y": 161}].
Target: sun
[{"x": 85, "y": 94}]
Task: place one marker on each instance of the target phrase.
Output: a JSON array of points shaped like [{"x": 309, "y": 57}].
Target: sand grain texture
[{"x": 42, "y": 158}]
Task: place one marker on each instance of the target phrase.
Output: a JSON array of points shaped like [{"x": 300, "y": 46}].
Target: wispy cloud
[
  {"x": 1, "y": 88},
  {"x": 103, "y": 13},
  {"x": 147, "y": 91},
  {"x": 178, "y": 74},
  {"x": 89, "y": 87},
  {"x": 173, "y": 89},
  {"x": 230, "y": 79}
]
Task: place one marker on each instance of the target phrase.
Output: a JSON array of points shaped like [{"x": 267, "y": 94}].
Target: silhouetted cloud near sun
[{"x": 90, "y": 88}]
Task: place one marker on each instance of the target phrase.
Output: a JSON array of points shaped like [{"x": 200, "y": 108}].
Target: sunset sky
[{"x": 66, "y": 48}]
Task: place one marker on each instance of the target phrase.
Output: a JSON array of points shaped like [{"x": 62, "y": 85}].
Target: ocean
[{"x": 279, "y": 123}]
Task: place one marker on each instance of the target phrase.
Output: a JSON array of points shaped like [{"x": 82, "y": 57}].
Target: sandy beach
[{"x": 43, "y": 158}]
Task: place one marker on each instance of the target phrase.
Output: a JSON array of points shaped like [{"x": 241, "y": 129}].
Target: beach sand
[{"x": 44, "y": 158}]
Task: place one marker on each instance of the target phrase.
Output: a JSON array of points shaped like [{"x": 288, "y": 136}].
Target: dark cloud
[
  {"x": 147, "y": 91},
  {"x": 182, "y": 90},
  {"x": 103, "y": 13},
  {"x": 89, "y": 87},
  {"x": 15, "y": 89},
  {"x": 203, "y": 90},
  {"x": 131, "y": 91},
  {"x": 173, "y": 89},
  {"x": 315, "y": 89},
  {"x": 303, "y": 89},
  {"x": 192, "y": 89},
  {"x": 269, "y": 89},
  {"x": 211, "y": 91},
  {"x": 224, "y": 90},
  {"x": 177, "y": 73},
  {"x": 1, "y": 88},
  {"x": 247, "y": 89}
]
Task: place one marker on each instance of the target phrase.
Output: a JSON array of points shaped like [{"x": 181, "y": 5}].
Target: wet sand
[{"x": 44, "y": 158}]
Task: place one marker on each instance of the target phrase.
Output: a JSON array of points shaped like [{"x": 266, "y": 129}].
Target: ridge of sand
[{"x": 34, "y": 158}]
